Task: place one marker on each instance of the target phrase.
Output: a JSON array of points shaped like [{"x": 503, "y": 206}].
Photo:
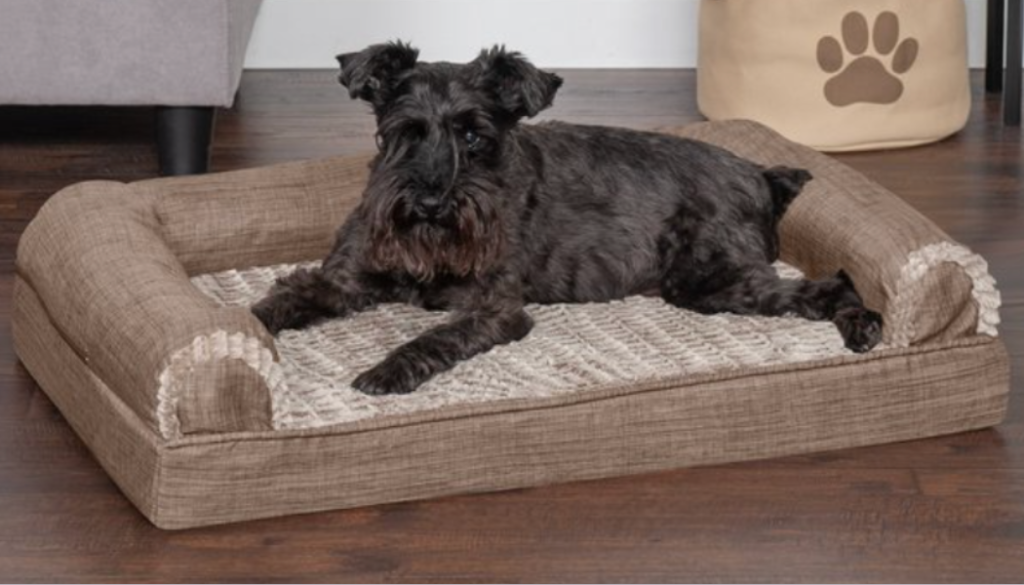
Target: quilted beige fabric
[{"x": 573, "y": 349}]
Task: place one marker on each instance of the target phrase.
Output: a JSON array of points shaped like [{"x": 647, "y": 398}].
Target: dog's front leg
[
  {"x": 440, "y": 348},
  {"x": 307, "y": 296},
  {"x": 339, "y": 287}
]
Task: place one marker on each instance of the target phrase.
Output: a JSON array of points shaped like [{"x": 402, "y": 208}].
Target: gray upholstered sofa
[{"x": 183, "y": 56}]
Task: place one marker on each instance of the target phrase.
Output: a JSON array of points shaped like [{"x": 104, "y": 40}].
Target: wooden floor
[{"x": 946, "y": 509}]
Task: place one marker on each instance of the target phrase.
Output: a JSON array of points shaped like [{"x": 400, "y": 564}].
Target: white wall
[{"x": 552, "y": 33}]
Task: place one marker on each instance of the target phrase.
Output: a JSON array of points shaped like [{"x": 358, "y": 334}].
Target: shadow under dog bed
[{"x": 131, "y": 311}]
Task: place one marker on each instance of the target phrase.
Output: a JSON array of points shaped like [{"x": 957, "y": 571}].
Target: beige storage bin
[{"x": 837, "y": 75}]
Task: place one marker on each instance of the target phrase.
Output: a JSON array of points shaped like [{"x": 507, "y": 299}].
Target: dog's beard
[{"x": 465, "y": 242}]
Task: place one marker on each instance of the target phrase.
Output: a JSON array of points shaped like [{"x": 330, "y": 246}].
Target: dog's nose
[{"x": 428, "y": 207}]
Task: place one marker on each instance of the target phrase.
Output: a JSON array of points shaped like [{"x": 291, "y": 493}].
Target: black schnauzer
[{"x": 469, "y": 211}]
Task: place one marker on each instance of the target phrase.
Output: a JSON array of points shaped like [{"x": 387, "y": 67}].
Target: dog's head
[{"x": 441, "y": 130}]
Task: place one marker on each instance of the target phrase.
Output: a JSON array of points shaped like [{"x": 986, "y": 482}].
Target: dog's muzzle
[
  {"x": 440, "y": 210},
  {"x": 428, "y": 208}
]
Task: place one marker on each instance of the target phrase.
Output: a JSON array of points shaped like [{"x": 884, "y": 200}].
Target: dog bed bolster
[
  {"x": 927, "y": 286},
  {"x": 255, "y": 217},
  {"x": 120, "y": 298}
]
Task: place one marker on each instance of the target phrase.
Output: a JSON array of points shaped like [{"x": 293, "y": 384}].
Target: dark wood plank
[{"x": 949, "y": 509}]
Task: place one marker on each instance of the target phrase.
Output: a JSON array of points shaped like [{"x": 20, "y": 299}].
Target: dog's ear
[
  {"x": 519, "y": 88},
  {"x": 371, "y": 74}
]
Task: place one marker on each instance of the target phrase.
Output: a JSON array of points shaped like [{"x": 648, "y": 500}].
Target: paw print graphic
[{"x": 866, "y": 78}]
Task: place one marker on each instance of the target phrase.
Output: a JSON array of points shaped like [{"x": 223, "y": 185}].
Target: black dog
[{"x": 466, "y": 210}]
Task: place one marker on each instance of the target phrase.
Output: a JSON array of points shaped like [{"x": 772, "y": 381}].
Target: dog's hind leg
[{"x": 757, "y": 289}]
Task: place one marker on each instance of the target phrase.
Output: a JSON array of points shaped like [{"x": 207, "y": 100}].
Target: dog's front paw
[
  {"x": 270, "y": 313},
  {"x": 298, "y": 300},
  {"x": 861, "y": 328},
  {"x": 392, "y": 376}
]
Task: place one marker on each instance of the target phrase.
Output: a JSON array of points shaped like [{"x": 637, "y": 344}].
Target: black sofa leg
[
  {"x": 183, "y": 136},
  {"x": 995, "y": 24}
]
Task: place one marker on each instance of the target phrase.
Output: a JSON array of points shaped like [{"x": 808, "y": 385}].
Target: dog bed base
[{"x": 753, "y": 414}]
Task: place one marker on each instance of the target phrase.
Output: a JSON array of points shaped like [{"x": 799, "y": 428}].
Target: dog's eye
[{"x": 472, "y": 140}]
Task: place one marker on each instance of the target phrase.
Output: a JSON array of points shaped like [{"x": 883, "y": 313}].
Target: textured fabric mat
[{"x": 572, "y": 348}]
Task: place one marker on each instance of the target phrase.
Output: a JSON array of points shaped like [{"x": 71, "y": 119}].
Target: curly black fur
[{"x": 467, "y": 210}]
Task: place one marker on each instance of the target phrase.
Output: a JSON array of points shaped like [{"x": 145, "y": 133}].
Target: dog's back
[{"x": 603, "y": 205}]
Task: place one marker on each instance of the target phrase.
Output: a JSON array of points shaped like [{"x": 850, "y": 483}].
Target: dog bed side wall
[
  {"x": 123, "y": 442},
  {"x": 767, "y": 412},
  {"x": 256, "y": 217}
]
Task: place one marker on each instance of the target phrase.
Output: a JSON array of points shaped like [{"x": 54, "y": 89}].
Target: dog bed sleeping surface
[{"x": 131, "y": 311}]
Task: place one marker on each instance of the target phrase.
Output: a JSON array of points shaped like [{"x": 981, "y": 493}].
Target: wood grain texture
[{"x": 941, "y": 510}]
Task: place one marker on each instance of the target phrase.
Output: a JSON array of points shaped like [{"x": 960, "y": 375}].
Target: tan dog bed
[{"x": 131, "y": 313}]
